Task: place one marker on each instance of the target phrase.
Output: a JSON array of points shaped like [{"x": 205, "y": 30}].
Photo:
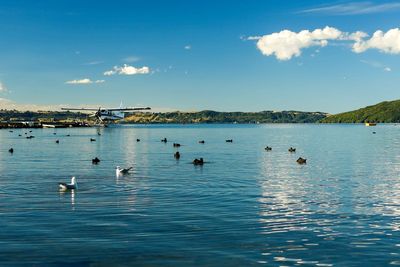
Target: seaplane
[{"x": 105, "y": 116}]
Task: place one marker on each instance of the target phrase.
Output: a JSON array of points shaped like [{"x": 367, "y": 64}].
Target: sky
[{"x": 330, "y": 56}]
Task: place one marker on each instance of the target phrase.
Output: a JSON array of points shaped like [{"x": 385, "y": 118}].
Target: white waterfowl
[
  {"x": 120, "y": 171},
  {"x": 72, "y": 185}
]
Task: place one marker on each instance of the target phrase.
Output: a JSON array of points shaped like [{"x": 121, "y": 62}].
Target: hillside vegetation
[
  {"x": 14, "y": 115},
  {"x": 208, "y": 116},
  {"x": 387, "y": 111}
]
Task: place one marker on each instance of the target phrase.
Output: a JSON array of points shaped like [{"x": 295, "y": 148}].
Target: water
[{"x": 244, "y": 207}]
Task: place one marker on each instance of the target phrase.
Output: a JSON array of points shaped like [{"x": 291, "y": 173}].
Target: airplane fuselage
[{"x": 111, "y": 115}]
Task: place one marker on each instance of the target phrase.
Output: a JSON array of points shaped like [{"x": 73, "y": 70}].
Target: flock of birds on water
[{"x": 123, "y": 171}]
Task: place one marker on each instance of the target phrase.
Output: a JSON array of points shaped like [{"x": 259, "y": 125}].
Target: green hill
[
  {"x": 208, "y": 116},
  {"x": 387, "y": 111}
]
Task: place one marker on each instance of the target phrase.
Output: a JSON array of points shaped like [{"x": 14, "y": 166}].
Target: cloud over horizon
[
  {"x": 11, "y": 105},
  {"x": 287, "y": 44},
  {"x": 127, "y": 70},
  {"x": 3, "y": 88},
  {"x": 84, "y": 81}
]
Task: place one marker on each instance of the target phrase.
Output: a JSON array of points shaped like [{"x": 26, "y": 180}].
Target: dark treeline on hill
[
  {"x": 388, "y": 111},
  {"x": 208, "y": 116},
  {"x": 14, "y": 115}
]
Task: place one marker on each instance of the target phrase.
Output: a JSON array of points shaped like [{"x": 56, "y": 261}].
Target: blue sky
[{"x": 195, "y": 55}]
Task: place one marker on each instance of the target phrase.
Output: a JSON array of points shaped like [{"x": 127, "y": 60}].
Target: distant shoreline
[
  {"x": 16, "y": 119},
  {"x": 384, "y": 112}
]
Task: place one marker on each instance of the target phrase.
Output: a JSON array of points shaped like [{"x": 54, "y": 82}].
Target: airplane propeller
[{"x": 97, "y": 115}]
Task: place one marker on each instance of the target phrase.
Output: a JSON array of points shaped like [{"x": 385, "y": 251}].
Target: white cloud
[
  {"x": 253, "y": 38},
  {"x": 387, "y": 69},
  {"x": 84, "y": 81},
  {"x": 81, "y": 81},
  {"x": 127, "y": 70},
  {"x": 287, "y": 44},
  {"x": 3, "y": 88},
  {"x": 388, "y": 42},
  {"x": 356, "y": 36},
  {"x": 354, "y": 8},
  {"x": 187, "y": 47}
]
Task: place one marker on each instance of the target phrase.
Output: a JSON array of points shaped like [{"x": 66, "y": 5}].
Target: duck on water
[
  {"x": 198, "y": 161},
  {"x": 301, "y": 161},
  {"x": 96, "y": 160}
]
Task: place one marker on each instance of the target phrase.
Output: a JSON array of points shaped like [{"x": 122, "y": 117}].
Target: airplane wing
[
  {"x": 89, "y": 109},
  {"x": 108, "y": 109},
  {"x": 126, "y": 109}
]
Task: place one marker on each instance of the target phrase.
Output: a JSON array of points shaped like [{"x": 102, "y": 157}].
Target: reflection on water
[
  {"x": 245, "y": 206},
  {"x": 68, "y": 193}
]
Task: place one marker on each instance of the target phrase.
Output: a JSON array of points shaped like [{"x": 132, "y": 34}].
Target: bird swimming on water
[
  {"x": 177, "y": 155},
  {"x": 72, "y": 185},
  {"x": 119, "y": 170},
  {"x": 92, "y": 140},
  {"x": 229, "y": 141},
  {"x": 301, "y": 161},
  {"x": 198, "y": 161},
  {"x": 95, "y": 160},
  {"x": 11, "y": 150},
  {"x": 292, "y": 150},
  {"x": 268, "y": 148}
]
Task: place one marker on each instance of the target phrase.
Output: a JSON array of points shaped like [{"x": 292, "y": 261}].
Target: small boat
[
  {"x": 370, "y": 124},
  {"x": 48, "y": 126}
]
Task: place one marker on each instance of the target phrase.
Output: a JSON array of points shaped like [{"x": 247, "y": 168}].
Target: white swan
[
  {"x": 72, "y": 185},
  {"x": 119, "y": 171}
]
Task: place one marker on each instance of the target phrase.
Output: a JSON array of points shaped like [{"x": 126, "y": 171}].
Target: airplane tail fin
[{"x": 121, "y": 114}]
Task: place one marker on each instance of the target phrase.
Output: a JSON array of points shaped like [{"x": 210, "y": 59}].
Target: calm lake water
[{"x": 244, "y": 207}]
